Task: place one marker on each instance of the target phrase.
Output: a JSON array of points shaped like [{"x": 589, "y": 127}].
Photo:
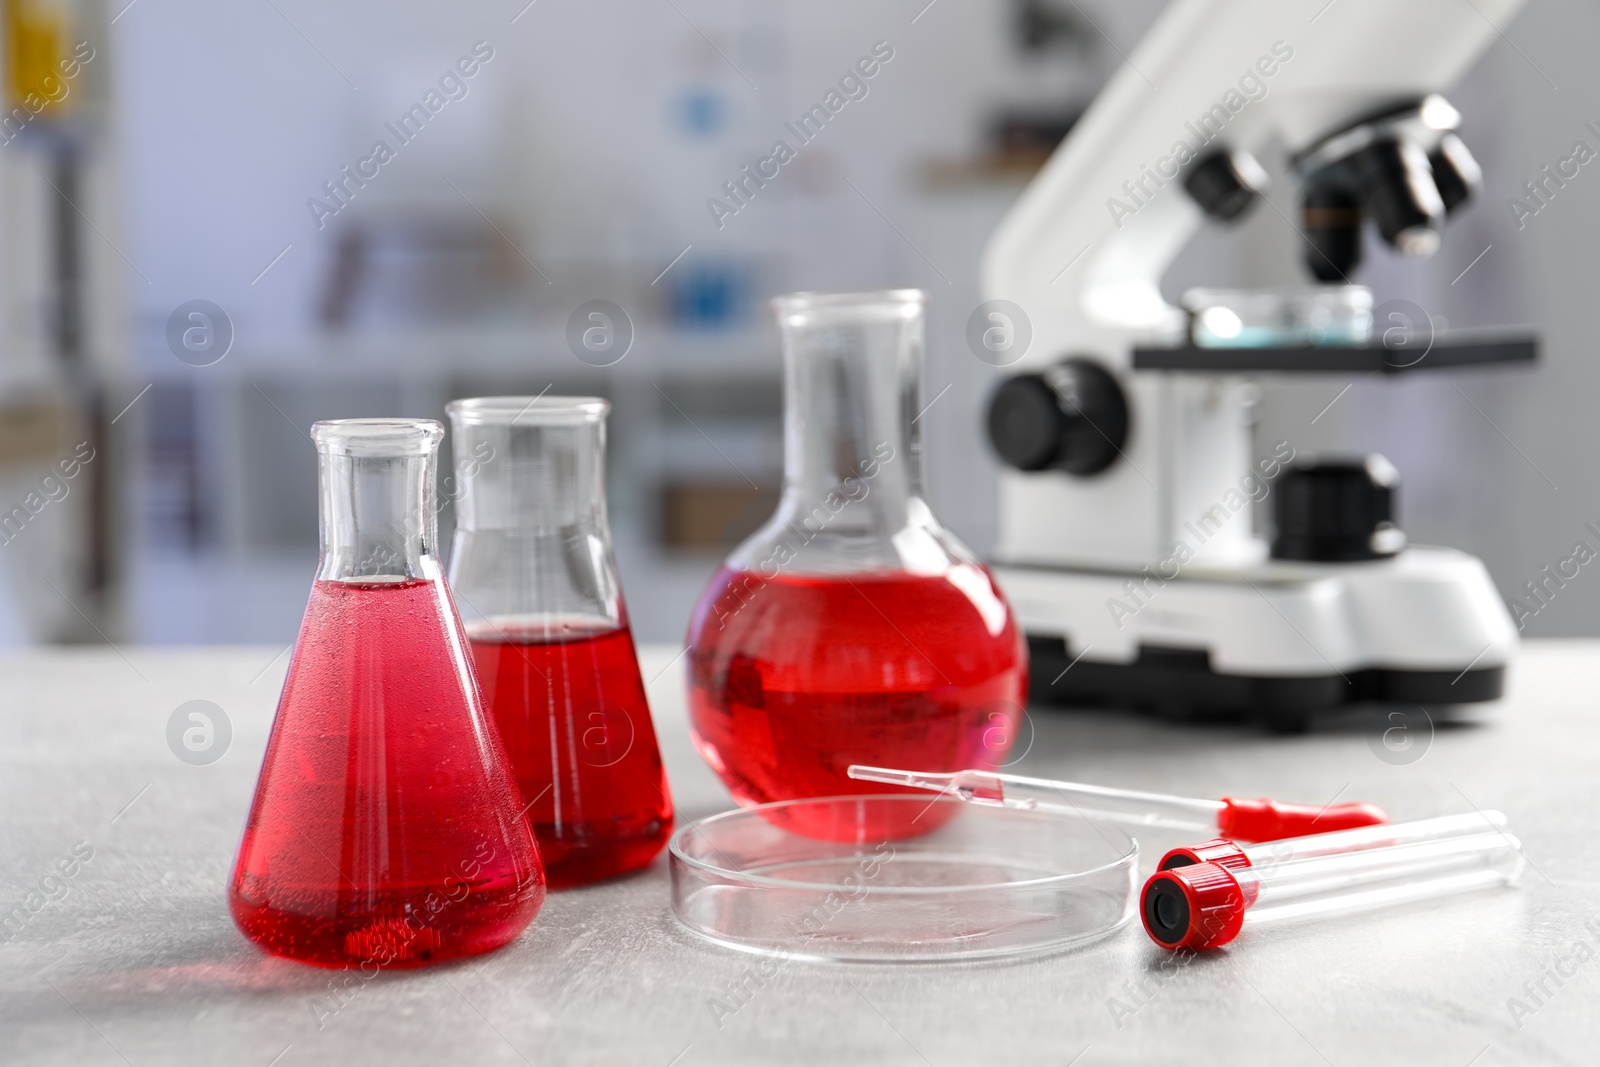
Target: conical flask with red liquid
[
  {"x": 533, "y": 572},
  {"x": 852, "y": 627},
  {"x": 386, "y": 829}
]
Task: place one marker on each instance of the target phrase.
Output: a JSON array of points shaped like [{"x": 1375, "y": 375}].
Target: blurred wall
[
  {"x": 598, "y": 131},
  {"x": 234, "y": 115}
]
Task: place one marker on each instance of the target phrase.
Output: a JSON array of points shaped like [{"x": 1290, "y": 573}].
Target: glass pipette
[
  {"x": 1205, "y": 905},
  {"x": 1225, "y": 853},
  {"x": 1232, "y": 817}
]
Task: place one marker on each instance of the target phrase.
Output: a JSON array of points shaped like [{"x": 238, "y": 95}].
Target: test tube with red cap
[
  {"x": 1231, "y": 817},
  {"x": 1227, "y": 853},
  {"x": 1206, "y": 905}
]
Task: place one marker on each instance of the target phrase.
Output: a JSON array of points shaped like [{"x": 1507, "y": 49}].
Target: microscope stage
[{"x": 1458, "y": 348}]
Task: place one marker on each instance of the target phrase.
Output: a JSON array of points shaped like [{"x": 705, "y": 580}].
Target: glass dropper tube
[
  {"x": 1234, "y": 817},
  {"x": 1205, "y": 905},
  {"x": 1127, "y": 806},
  {"x": 1383, "y": 835}
]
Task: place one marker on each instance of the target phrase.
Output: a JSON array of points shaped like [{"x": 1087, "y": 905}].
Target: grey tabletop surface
[{"x": 133, "y": 959}]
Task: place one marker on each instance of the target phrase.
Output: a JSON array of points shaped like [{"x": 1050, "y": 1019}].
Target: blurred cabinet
[{"x": 228, "y": 482}]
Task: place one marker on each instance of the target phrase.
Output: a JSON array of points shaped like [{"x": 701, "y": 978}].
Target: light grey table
[{"x": 133, "y": 960}]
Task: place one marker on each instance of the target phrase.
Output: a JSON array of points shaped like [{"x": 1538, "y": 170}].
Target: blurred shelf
[{"x": 657, "y": 350}]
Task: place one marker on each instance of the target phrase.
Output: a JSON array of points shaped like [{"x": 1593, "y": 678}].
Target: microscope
[{"x": 1125, "y": 542}]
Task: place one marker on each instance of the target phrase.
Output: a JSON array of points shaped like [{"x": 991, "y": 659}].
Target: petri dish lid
[{"x": 978, "y": 883}]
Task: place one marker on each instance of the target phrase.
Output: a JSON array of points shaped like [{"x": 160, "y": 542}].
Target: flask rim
[
  {"x": 377, "y": 437},
  {"x": 526, "y": 410},
  {"x": 796, "y": 308}
]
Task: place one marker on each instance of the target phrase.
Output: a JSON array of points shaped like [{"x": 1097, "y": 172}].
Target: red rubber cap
[
  {"x": 1268, "y": 820},
  {"x": 1196, "y": 907},
  {"x": 1221, "y": 851}
]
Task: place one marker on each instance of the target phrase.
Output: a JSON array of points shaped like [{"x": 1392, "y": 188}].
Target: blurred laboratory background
[{"x": 202, "y": 251}]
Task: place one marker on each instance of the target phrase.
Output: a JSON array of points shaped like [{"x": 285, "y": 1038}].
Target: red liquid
[
  {"x": 385, "y": 829},
  {"x": 571, "y": 710},
  {"x": 794, "y": 678}
]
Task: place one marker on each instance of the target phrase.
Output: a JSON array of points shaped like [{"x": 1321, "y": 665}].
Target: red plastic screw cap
[
  {"x": 1196, "y": 907},
  {"x": 1221, "y": 851},
  {"x": 1268, "y": 820}
]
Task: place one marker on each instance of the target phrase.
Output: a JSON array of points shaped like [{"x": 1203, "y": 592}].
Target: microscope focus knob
[
  {"x": 1072, "y": 417},
  {"x": 1225, "y": 183},
  {"x": 1337, "y": 511}
]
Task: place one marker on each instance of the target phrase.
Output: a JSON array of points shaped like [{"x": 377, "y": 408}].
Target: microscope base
[
  {"x": 1270, "y": 639},
  {"x": 1179, "y": 683}
]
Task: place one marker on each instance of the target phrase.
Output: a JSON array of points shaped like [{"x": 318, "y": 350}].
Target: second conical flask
[
  {"x": 386, "y": 830},
  {"x": 533, "y": 571}
]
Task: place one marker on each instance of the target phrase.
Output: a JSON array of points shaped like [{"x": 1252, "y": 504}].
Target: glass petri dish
[{"x": 983, "y": 882}]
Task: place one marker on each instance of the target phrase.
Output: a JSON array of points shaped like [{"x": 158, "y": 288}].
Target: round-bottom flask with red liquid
[{"x": 852, "y": 627}]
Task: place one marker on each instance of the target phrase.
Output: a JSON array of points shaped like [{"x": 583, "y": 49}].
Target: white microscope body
[{"x": 1145, "y": 576}]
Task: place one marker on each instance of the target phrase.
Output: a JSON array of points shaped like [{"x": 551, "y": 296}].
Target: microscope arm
[{"x": 1084, "y": 249}]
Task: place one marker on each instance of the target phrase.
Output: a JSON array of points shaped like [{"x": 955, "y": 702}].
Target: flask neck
[
  {"x": 529, "y": 477},
  {"x": 852, "y": 444},
  {"x": 375, "y": 480},
  {"x": 531, "y": 560}
]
